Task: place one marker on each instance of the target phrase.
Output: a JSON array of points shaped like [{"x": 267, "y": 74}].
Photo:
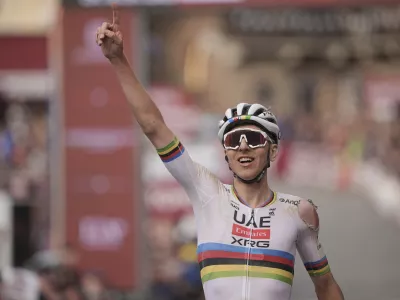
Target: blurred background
[{"x": 87, "y": 210}]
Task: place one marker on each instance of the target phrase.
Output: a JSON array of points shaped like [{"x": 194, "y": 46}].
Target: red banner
[
  {"x": 99, "y": 150},
  {"x": 28, "y": 53}
]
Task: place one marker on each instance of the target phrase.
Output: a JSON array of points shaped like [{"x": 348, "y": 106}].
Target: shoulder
[
  {"x": 287, "y": 199},
  {"x": 304, "y": 208},
  {"x": 308, "y": 213}
]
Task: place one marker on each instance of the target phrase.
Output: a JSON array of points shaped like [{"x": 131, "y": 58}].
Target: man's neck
[{"x": 254, "y": 194}]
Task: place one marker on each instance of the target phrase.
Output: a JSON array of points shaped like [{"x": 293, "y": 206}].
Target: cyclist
[{"x": 247, "y": 233}]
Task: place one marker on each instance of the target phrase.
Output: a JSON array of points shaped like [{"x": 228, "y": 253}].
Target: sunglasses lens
[
  {"x": 255, "y": 139},
  {"x": 232, "y": 140}
]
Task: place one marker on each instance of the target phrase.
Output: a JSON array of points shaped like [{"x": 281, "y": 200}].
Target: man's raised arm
[
  {"x": 189, "y": 174},
  {"x": 149, "y": 117}
]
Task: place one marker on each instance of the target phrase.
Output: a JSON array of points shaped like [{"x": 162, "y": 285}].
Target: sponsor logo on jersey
[
  {"x": 293, "y": 202},
  {"x": 248, "y": 242},
  {"x": 234, "y": 205},
  {"x": 251, "y": 231},
  {"x": 254, "y": 234},
  {"x": 243, "y": 219}
]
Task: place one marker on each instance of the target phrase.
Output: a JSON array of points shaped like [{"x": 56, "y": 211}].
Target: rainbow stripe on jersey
[
  {"x": 221, "y": 260},
  {"x": 172, "y": 151}
]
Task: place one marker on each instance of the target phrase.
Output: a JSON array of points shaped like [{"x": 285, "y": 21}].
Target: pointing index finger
[{"x": 115, "y": 16}]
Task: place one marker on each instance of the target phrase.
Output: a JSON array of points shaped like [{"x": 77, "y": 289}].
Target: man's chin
[{"x": 247, "y": 175}]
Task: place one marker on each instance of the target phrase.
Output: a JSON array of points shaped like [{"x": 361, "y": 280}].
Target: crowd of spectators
[
  {"x": 343, "y": 122},
  {"x": 55, "y": 275}
]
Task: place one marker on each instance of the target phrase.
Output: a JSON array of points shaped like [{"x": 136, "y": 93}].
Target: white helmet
[{"x": 252, "y": 114}]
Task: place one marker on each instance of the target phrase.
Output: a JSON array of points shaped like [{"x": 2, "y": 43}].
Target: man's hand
[{"x": 109, "y": 38}]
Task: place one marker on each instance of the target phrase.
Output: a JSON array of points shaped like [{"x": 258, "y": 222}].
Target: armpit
[
  {"x": 308, "y": 213},
  {"x": 209, "y": 181},
  {"x": 203, "y": 172}
]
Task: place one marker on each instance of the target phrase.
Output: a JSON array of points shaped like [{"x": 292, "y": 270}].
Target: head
[
  {"x": 250, "y": 136},
  {"x": 247, "y": 162},
  {"x": 69, "y": 256}
]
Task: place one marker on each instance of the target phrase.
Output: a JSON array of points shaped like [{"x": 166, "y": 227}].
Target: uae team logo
[{"x": 251, "y": 231}]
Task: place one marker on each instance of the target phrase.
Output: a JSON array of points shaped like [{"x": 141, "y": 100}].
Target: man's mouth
[{"x": 245, "y": 160}]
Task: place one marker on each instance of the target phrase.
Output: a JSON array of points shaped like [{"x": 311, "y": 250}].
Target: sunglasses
[{"x": 254, "y": 138}]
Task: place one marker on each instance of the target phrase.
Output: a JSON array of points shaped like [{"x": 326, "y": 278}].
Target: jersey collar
[{"x": 269, "y": 201}]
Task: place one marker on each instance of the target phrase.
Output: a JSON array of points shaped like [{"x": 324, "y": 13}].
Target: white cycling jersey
[{"x": 244, "y": 253}]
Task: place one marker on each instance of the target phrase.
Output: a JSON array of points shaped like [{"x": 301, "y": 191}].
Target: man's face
[{"x": 248, "y": 162}]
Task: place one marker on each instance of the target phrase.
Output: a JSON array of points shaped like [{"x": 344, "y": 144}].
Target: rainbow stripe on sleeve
[
  {"x": 172, "y": 151},
  {"x": 318, "y": 268}
]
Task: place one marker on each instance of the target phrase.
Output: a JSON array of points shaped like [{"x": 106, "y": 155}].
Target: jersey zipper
[{"x": 247, "y": 284}]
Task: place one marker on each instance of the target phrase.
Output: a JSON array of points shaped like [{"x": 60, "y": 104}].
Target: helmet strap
[{"x": 255, "y": 179}]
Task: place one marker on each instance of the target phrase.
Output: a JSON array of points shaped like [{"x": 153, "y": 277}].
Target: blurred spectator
[
  {"x": 176, "y": 274},
  {"x": 19, "y": 284},
  {"x": 58, "y": 274},
  {"x": 93, "y": 286}
]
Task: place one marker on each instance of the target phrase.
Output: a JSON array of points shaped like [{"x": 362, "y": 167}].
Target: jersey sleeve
[
  {"x": 199, "y": 183},
  {"x": 311, "y": 251}
]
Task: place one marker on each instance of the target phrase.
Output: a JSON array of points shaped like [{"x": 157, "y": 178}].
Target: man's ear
[{"x": 273, "y": 152}]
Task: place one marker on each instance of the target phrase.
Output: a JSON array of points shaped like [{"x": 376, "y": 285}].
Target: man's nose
[{"x": 243, "y": 145}]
